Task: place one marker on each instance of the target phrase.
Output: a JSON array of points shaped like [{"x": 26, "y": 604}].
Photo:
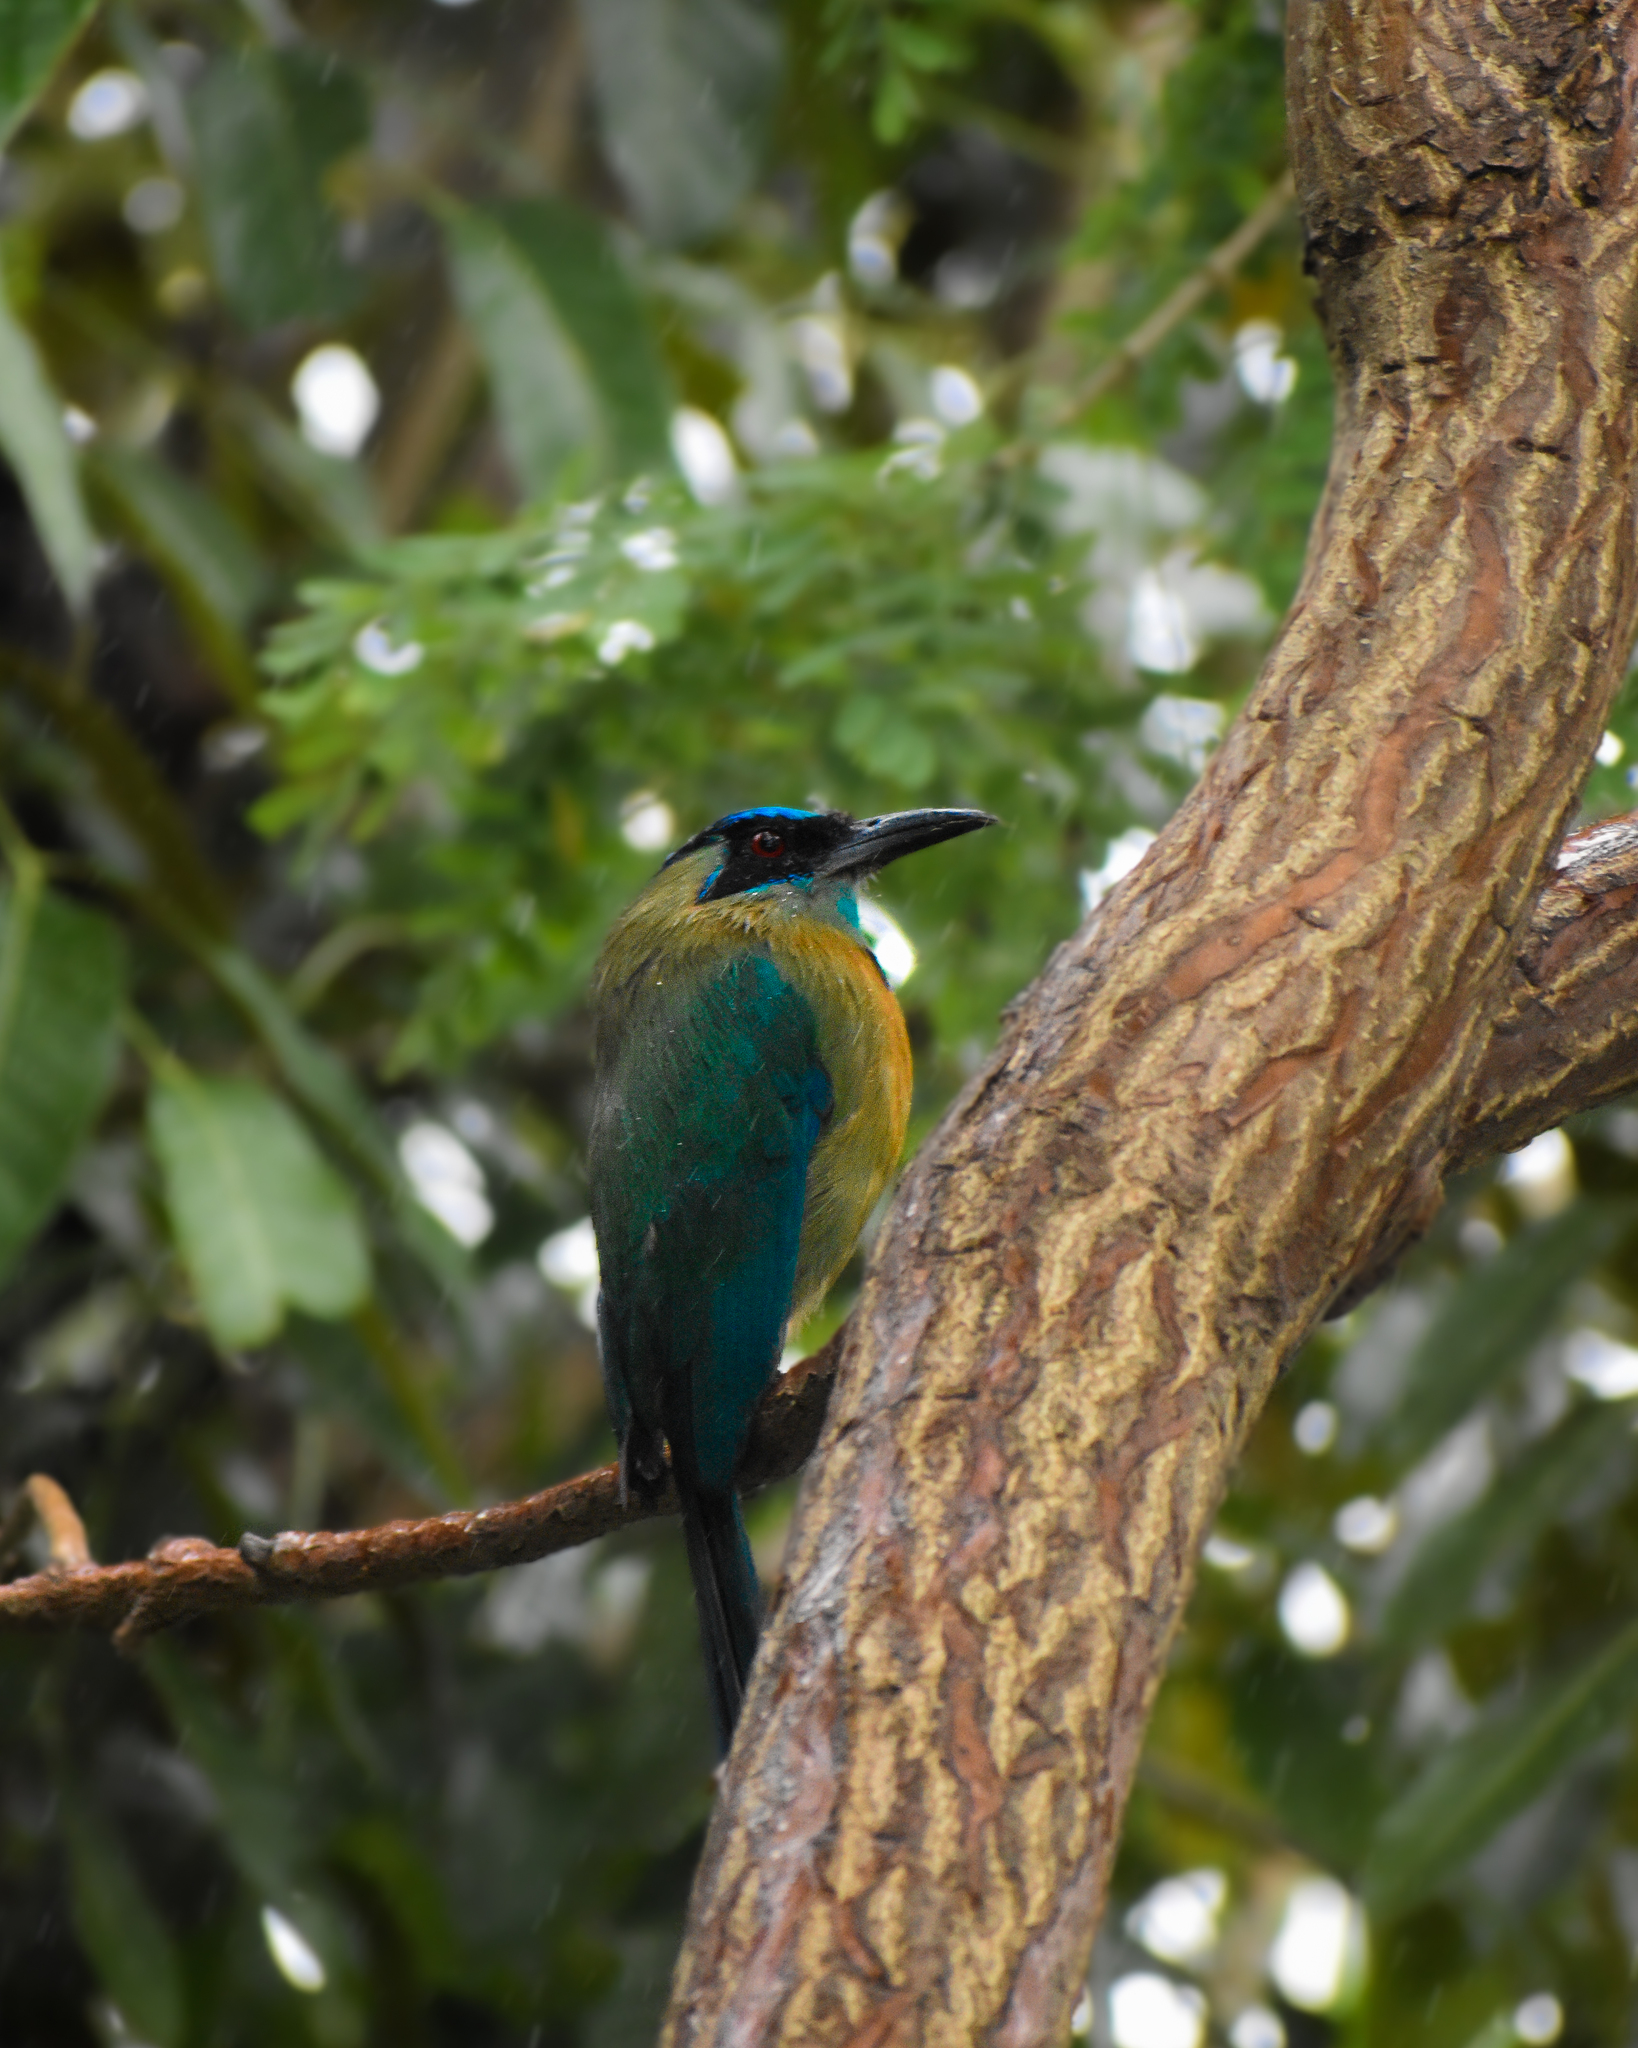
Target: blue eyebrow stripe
[{"x": 765, "y": 811}]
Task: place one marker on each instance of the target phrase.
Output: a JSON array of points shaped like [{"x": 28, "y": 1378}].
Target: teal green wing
[{"x": 709, "y": 1105}]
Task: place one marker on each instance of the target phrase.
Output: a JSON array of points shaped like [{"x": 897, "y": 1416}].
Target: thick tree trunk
[{"x": 1231, "y": 1088}]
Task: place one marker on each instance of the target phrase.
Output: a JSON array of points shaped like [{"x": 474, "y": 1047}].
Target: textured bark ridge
[
  {"x": 1227, "y": 1093},
  {"x": 1566, "y": 1037}
]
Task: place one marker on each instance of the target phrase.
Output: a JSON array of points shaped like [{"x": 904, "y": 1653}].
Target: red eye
[{"x": 768, "y": 845}]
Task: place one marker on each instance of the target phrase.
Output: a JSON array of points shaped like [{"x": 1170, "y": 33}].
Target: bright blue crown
[{"x": 766, "y": 811}]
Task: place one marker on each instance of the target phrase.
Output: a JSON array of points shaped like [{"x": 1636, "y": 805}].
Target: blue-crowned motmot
[{"x": 753, "y": 1085}]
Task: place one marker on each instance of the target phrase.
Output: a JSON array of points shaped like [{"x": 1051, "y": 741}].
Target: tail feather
[{"x": 728, "y": 1597}]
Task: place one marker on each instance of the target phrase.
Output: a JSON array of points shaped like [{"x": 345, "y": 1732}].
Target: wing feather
[{"x": 711, "y": 1097}]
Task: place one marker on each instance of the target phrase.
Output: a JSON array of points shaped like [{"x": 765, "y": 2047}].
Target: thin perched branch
[
  {"x": 1213, "y": 274},
  {"x": 1568, "y": 1043},
  {"x": 418, "y": 438},
  {"x": 186, "y": 1576},
  {"x": 43, "y": 1503},
  {"x": 1217, "y": 270}
]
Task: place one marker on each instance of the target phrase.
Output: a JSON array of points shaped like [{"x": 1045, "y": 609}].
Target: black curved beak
[{"x": 874, "y": 842}]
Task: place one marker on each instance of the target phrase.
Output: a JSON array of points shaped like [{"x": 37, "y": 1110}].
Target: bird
[{"x": 751, "y": 1091}]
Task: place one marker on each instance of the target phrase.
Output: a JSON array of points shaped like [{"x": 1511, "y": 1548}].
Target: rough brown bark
[
  {"x": 1238, "y": 1080},
  {"x": 1567, "y": 1037}
]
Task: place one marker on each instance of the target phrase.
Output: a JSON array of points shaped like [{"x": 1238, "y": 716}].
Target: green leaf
[
  {"x": 924, "y": 47},
  {"x": 267, "y": 125},
  {"x": 1495, "y": 1314},
  {"x": 542, "y": 393},
  {"x": 381, "y": 1849},
  {"x": 323, "y": 1086},
  {"x": 685, "y": 93},
  {"x": 260, "y": 1218},
  {"x": 119, "y": 1930},
  {"x": 343, "y": 1379},
  {"x": 897, "y": 107},
  {"x": 1500, "y": 2032},
  {"x": 884, "y": 742},
  {"x": 34, "y": 38},
  {"x": 62, "y": 972},
  {"x": 1485, "y": 1777},
  {"x": 605, "y": 321},
  {"x": 35, "y": 443},
  {"x": 260, "y": 1821},
  {"x": 570, "y": 354},
  {"x": 322, "y": 492},
  {"x": 1438, "y": 1588},
  {"x": 1288, "y": 1716},
  {"x": 195, "y": 544}
]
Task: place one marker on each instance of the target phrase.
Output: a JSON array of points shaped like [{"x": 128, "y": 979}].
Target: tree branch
[
  {"x": 42, "y": 1503},
  {"x": 1224, "y": 1094},
  {"x": 1567, "y": 1041},
  {"x": 186, "y": 1576},
  {"x": 1218, "y": 270},
  {"x": 1568, "y": 1038}
]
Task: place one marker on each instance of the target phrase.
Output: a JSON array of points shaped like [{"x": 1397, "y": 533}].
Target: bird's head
[{"x": 754, "y": 850}]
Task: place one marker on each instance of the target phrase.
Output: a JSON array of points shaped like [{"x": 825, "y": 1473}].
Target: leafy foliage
[
  {"x": 35, "y": 445},
  {"x": 723, "y": 359},
  {"x": 813, "y": 624},
  {"x": 33, "y": 38},
  {"x": 59, "y": 1000},
  {"x": 260, "y": 1219},
  {"x": 266, "y": 127}
]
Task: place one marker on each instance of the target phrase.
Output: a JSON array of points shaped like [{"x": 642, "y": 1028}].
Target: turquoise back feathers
[{"x": 752, "y": 1092}]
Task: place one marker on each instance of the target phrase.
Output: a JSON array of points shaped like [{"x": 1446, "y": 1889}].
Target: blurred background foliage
[{"x": 450, "y": 453}]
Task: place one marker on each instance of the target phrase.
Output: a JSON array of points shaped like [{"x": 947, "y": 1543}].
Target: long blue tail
[{"x": 729, "y": 1599}]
